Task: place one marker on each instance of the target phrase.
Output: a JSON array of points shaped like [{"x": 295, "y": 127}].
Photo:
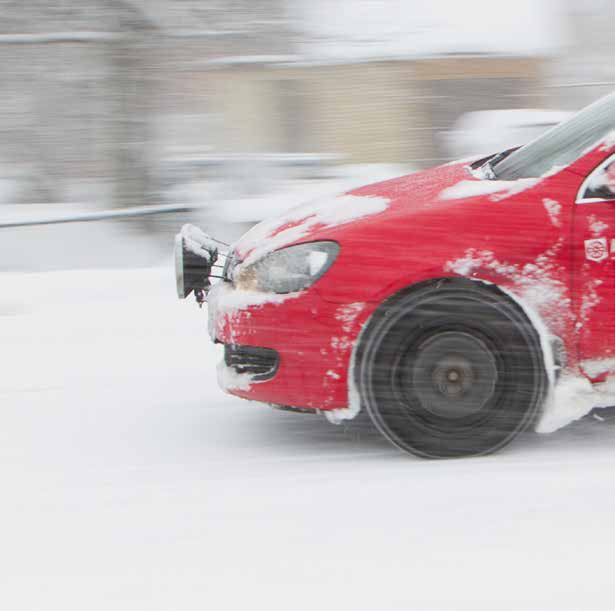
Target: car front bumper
[{"x": 310, "y": 339}]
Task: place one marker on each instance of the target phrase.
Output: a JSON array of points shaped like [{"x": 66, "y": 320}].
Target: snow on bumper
[{"x": 313, "y": 338}]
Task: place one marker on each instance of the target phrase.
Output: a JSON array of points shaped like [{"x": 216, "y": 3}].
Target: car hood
[{"x": 381, "y": 201}]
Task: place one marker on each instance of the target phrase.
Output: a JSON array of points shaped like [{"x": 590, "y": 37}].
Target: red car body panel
[{"x": 528, "y": 238}]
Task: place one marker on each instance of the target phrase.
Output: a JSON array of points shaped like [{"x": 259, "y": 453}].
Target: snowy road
[{"x": 131, "y": 483}]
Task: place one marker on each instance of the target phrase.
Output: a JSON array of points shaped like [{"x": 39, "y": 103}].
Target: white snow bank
[
  {"x": 132, "y": 483},
  {"x": 53, "y": 292}
]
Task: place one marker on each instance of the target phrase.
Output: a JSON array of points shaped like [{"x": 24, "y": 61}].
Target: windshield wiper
[{"x": 487, "y": 167}]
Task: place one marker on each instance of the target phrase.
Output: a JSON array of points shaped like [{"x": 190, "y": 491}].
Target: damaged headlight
[{"x": 287, "y": 270}]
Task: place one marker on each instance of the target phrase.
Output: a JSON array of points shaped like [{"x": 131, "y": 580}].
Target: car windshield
[{"x": 559, "y": 146}]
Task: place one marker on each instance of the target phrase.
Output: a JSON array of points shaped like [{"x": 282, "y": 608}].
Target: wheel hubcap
[{"x": 453, "y": 374}]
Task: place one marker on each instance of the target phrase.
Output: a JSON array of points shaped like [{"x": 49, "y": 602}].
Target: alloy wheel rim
[{"x": 452, "y": 375}]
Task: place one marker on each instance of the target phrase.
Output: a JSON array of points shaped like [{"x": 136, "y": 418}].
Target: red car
[{"x": 458, "y": 306}]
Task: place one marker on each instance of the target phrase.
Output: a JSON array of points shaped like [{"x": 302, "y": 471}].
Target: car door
[{"x": 594, "y": 264}]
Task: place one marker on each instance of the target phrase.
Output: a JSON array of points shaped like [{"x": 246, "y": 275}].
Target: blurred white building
[
  {"x": 584, "y": 67},
  {"x": 109, "y": 101}
]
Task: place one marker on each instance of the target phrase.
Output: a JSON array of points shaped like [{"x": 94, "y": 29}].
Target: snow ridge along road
[{"x": 130, "y": 482}]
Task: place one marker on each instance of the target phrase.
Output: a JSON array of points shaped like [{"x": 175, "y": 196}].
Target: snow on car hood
[
  {"x": 375, "y": 200},
  {"x": 441, "y": 187},
  {"x": 299, "y": 222}
]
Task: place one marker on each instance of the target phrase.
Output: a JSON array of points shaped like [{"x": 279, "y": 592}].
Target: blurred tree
[{"x": 131, "y": 78}]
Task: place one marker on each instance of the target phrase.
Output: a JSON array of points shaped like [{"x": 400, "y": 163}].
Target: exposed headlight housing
[{"x": 287, "y": 270}]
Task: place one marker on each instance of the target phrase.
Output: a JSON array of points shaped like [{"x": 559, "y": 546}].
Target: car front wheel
[{"x": 451, "y": 369}]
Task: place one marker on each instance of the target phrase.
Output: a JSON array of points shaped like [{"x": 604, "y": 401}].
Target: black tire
[{"x": 450, "y": 369}]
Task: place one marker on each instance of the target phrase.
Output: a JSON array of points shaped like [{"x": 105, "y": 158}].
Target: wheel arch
[
  {"x": 550, "y": 358},
  {"x": 497, "y": 297},
  {"x": 494, "y": 287}
]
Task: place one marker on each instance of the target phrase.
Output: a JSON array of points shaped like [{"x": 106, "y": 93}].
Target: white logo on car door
[{"x": 596, "y": 249}]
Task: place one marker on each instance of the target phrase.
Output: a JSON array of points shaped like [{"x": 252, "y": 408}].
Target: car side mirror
[{"x": 195, "y": 255}]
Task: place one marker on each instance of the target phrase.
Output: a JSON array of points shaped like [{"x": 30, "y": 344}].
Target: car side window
[{"x": 600, "y": 184}]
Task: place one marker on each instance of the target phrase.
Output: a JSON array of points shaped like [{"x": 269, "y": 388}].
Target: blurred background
[
  {"x": 242, "y": 108},
  {"x": 130, "y": 482}
]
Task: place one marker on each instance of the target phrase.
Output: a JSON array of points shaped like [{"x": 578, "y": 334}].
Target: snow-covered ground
[
  {"x": 131, "y": 483},
  {"x": 84, "y": 245}
]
